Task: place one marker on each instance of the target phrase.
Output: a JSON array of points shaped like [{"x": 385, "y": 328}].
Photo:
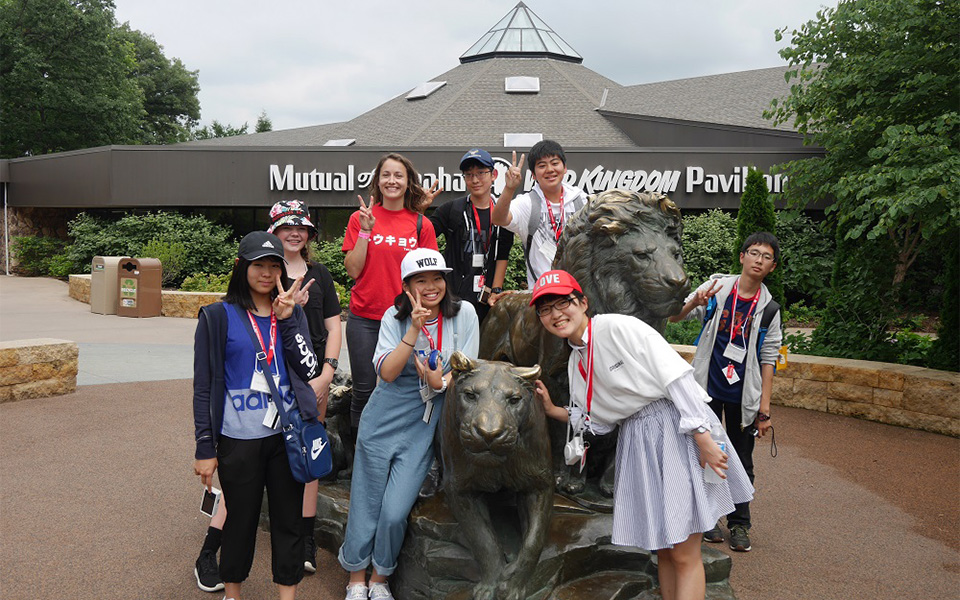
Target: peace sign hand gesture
[
  {"x": 430, "y": 195},
  {"x": 286, "y": 299},
  {"x": 301, "y": 296},
  {"x": 366, "y": 215},
  {"x": 514, "y": 175},
  {"x": 703, "y": 296},
  {"x": 419, "y": 314}
]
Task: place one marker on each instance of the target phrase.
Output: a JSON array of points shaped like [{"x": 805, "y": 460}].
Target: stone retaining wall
[
  {"x": 37, "y": 368},
  {"x": 901, "y": 395},
  {"x": 173, "y": 303}
]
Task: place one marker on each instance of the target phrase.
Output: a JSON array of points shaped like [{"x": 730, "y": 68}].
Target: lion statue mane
[{"x": 625, "y": 250}]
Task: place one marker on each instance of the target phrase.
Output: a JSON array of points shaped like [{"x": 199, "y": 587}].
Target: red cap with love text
[{"x": 554, "y": 282}]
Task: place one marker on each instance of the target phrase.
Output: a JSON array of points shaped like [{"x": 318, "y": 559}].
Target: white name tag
[
  {"x": 477, "y": 260},
  {"x": 730, "y": 374},
  {"x": 549, "y": 250},
  {"x": 735, "y": 353},
  {"x": 477, "y": 283},
  {"x": 272, "y": 418},
  {"x": 259, "y": 383}
]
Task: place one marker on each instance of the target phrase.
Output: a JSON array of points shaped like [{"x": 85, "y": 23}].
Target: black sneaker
[
  {"x": 207, "y": 572},
  {"x": 714, "y": 536},
  {"x": 310, "y": 554},
  {"x": 739, "y": 540}
]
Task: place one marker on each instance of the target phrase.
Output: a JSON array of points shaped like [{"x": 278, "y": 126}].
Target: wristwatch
[
  {"x": 702, "y": 429},
  {"x": 763, "y": 416},
  {"x": 496, "y": 290},
  {"x": 332, "y": 362}
]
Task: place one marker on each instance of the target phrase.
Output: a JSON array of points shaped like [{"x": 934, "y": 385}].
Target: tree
[
  {"x": 219, "y": 130},
  {"x": 876, "y": 85},
  {"x": 170, "y": 103},
  {"x": 756, "y": 214},
  {"x": 263, "y": 123},
  {"x": 66, "y": 76}
]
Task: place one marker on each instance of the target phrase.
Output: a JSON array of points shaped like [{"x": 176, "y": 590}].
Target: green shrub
[
  {"x": 34, "y": 253},
  {"x": 684, "y": 332},
  {"x": 60, "y": 266},
  {"x": 208, "y": 246},
  {"x": 806, "y": 258},
  {"x": 707, "y": 243},
  {"x": 805, "y": 316},
  {"x": 516, "y": 276},
  {"x": 329, "y": 255},
  {"x": 205, "y": 282},
  {"x": 172, "y": 256},
  {"x": 343, "y": 293}
]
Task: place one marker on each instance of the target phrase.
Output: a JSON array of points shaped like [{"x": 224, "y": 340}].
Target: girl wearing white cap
[
  {"x": 395, "y": 441},
  {"x": 622, "y": 372}
]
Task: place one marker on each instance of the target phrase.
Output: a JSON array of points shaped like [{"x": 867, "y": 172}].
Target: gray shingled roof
[{"x": 729, "y": 99}]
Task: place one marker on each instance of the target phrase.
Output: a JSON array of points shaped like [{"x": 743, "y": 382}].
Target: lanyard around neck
[
  {"x": 273, "y": 334},
  {"x": 439, "y": 344},
  {"x": 733, "y": 311},
  {"x": 476, "y": 217},
  {"x": 554, "y": 223},
  {"x": 588, "y": 373}
]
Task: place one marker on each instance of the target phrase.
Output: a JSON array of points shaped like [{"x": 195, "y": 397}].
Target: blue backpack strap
[{"x": 711, "y": 308}]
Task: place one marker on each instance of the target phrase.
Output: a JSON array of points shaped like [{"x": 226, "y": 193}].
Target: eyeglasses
[
  {"x": 561, "y": 304},
  {"x": 478, "y": 175},
  {"x": 753, "y": 253}
]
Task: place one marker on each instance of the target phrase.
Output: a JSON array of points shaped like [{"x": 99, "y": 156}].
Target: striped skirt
[{"x": 659, "y": 496}]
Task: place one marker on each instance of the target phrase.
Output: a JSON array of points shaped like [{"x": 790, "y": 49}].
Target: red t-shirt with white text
[{"x": 394, "y": 234}]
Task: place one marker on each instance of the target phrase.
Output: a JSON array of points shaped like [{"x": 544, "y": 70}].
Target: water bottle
[
  {"x": 709, "y": 475},
  {"x": 422, "y": 348}
]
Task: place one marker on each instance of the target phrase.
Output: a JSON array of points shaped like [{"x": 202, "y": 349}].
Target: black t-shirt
[
  {"x": 322, "y": 304},
  {"x": 456, "y": 221}
]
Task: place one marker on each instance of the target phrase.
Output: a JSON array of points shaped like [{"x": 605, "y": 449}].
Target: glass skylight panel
[
  {"x": 343, "y": 142},
  {"x": 474, "y": 49},
  {"x": 566, "y": 47},
  {"x": 521, "y": 140},
  {"x": 503, "y": 22},
  {"x": 550, "y": 44},
  {"x": 522, "y": 21},
  {"x": 538, "y": 23},
  {"x": 492, "y": 43},
  {"x": 425, "y": 89},
  {"x": 511, "y": 41},
  {"x": 522, "y": 85}
]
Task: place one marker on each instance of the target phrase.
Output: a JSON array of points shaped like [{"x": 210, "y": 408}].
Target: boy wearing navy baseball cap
[{"x": 477, "y": 250}]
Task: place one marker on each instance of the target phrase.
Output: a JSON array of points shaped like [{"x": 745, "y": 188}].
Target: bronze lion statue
[
  {"x": 625, "y": 250},
  {"x": 494, "y": 439}
]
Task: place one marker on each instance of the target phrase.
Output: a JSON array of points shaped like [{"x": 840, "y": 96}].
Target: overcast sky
[{"x": 309, "y": 62}]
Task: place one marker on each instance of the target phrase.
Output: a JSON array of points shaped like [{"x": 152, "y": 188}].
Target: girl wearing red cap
[{"x": 622, "y": 372}]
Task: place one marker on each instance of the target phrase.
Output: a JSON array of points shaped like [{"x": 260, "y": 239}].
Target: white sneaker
[
  {"x": 380, "y": 591},
  {"x": 356, "y": 591}
]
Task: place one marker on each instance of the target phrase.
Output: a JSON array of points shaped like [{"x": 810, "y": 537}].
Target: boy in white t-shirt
[{"x": 538, "y": 216}]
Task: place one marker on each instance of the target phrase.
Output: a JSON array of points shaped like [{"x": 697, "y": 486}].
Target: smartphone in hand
[{"x": 210, "y": 501}]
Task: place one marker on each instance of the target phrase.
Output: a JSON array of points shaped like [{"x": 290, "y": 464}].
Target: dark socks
[
  {"x": 308, "y": 524},
  {"x": 212, "y": 541}
]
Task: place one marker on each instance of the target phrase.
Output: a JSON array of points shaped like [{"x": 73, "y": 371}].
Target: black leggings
[
  {"x": 743, "y": 444},
  {"x": 362, "y": 336},
  {"x": 246, "y": 467}
]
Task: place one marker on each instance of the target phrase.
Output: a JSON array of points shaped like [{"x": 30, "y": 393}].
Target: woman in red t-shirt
[{"x": 377, "y": 238}]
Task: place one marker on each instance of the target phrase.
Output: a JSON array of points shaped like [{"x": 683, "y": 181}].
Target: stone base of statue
[{"x": 578, "y": 561}]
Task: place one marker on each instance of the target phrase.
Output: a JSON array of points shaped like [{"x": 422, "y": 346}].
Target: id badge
[
  {"x": 485, "y": 294},
  {"x": 428, "y": 411},
  {"x": 272, "y": 418},
  {"x": 425, "y": 391},
  {"x": 735, "y": 353},
  {"x": 730, "y": 374},
  {"x": 478, "y": 283},
  {"x": 477, "y": 261},
  {"x": 259, "y": 383},
  {"x": 548, "y": 250}
]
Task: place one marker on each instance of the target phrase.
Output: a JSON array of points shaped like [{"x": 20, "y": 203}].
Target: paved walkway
[{"x": 98, "y": 500}]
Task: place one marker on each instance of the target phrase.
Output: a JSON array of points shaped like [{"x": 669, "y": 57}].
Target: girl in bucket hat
[
  {"x": 395, "y": 440},
  {"x": 622, "y": 372}
]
